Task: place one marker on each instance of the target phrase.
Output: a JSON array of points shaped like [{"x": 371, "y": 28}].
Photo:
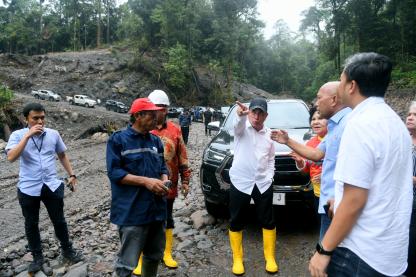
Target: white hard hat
[{"x": 159, "y": 97}]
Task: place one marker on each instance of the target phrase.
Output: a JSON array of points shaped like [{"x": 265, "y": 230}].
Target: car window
[{"x": 282, "y": 115}]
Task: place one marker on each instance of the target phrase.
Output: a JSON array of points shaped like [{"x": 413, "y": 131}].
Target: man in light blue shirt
[
  {"x": 37, "y": 147},
  {"x": 331, "y": 108}
]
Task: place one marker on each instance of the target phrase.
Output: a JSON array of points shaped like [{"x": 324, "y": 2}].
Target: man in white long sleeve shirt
[{"x": 251, "y": 176}]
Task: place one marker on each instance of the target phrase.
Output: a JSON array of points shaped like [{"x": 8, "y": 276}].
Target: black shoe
[
  {"x": 36, "y": 265},
  {"x": 71, "y": 256}
]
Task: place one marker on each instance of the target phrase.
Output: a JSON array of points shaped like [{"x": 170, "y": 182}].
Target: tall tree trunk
[
  {"x": 108, "y": 22},
  {"x": 98, "y": 23}
]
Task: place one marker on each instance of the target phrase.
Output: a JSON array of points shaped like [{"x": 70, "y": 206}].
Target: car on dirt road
[
  {"x": 82, "y": 100},
  {"x": 116, "y": 106},
  {"x": 45, "y": 94},
  {"x": 290, "y": 186}
]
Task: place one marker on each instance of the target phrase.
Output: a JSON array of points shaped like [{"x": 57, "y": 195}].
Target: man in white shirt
[
  {"x": 369, "y": 233},
  {"x": 251, "y": 178}
]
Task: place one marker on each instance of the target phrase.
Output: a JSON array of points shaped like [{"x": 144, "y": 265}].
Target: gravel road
[{"x": 201, "y": 250}]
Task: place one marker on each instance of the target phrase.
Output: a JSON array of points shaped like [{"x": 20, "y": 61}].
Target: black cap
[{"x": 258, "y": 103}]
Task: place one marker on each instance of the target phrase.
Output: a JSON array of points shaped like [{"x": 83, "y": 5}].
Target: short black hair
[
  {"x": 371, "y": 71},
  {"x": 312, "y": 111},
  {"x": 33, "y": 107}
]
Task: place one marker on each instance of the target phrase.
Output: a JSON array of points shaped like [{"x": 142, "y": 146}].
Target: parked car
[
  {"x": 289, "y": 185},
  {"x": 46, "y": 95},
  {"x": 116, "y": 106},
  {"x": 82, "y": 100},
  {"x": 173, "y": 112}
]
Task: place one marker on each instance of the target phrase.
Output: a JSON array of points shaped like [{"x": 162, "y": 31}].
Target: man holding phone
[
  {"x": 37, "y": 147},
  {"x": 137, "y": 172},
  {"x": 176, "y": 159}
]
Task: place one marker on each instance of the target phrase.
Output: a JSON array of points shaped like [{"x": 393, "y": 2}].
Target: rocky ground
[{"x": 201, "y": 242}]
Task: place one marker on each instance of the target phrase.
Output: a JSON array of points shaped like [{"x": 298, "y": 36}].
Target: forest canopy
[{"x": 223, "y": 35}]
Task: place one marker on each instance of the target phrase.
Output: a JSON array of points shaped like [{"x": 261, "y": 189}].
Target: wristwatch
[
  {"x": 73, "y": 176},
  {"x": 320, "y": 249}
]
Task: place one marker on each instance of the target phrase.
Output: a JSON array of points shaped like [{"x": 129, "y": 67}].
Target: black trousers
[
  {"x": 240, "y": 204},
  {"x": 185, "y": 133},
  {"x": 170, "y": 224},
  {"x": 54, "y": 203},
  {"x": 206, "y": 129}
]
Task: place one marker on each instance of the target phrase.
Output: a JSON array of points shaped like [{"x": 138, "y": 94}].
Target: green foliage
[
  {"x": 404, "y": 75},
  {"x": 6, "y": 95},
  {"x": 176, "y": 67},
  {"x": 223, "y": 35}
]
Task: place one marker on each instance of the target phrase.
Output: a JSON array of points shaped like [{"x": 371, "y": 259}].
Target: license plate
[{"x": 279, "y": 199}]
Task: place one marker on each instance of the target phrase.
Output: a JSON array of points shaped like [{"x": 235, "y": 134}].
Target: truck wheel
[
  {"x": 86, "y": 105},
  {"x": 37, "y": 96},
  {"x": 217, "y": 210},
  {"x": 51, "y": 99}
]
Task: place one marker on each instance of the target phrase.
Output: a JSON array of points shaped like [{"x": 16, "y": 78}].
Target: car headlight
[{"x": 213, "y": 155}]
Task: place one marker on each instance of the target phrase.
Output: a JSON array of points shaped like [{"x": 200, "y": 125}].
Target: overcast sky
[{"x": 290, "y": 11}]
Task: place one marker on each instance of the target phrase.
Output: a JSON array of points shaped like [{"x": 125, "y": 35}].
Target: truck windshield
[{"x": 282, "y": 115}]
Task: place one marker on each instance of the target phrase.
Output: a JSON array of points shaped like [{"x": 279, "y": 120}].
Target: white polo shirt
[
  {"x": 376, "y": 154},
  {"x": 254, "y": 154}
]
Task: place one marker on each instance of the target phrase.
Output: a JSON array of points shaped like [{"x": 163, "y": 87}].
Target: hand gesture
[
  {"x": 331, "y": 203},
  {"x": 35, "y": 130},
  {"x": 185, "y": 189},
  {"x": 72, "y": 183},
  {"x": 280, "y": 136},
  {"x": 156, "y": 186},
  {"x": 300, "y": 162},
  {"x": 316, "y": 178},
  {"x": 242, "y": 109},
  {"x": 318, "y": 265}
]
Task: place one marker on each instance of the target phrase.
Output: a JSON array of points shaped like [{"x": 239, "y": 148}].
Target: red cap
[{"x": 143, "y": 104}]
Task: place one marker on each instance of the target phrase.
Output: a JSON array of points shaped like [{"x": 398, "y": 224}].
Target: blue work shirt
[
  {"x": 185, "y": 120},
  {"x": 130, "y": 152},
  {"x": 330, "y": 146},
  {"x": 38, "y": 167}
]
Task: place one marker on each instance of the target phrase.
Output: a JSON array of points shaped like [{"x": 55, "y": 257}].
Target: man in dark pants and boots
[
  {"x": 251, "y": 177},
  {"x": 138, "y": 175},
  {"x": 185, "y": 122},
  {"x": 37, "y": 147},
  {"x": 207, "y": 119}
]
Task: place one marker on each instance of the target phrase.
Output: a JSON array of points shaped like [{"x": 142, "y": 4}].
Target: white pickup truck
[
  {"x": 46, "y": 95},
  {"x": 82, "y": 100}
]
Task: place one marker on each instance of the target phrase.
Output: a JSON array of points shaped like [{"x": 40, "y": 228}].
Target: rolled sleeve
[
  {"x": 115, "y": 170},
  {"x": 60, "y": 145},
  {"x": 14, "y": 140}
]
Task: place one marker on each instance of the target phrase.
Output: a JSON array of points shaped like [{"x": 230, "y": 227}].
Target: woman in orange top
[{"x": 319, "y": 128}]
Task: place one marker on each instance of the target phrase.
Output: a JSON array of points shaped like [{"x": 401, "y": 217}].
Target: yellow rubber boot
[
  {"x": 138, "y": 270},
  {"x": 167, "y": 255},
  {"x": 236, "y": 242},
  {"x": 269, "y": 244}
]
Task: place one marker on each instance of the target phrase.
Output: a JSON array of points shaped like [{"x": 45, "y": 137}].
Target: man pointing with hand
[{"x": 251, "y": 178}]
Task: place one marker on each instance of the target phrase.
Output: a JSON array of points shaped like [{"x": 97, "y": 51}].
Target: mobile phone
[
  {"x": 326, "y": 208},
  {"x": 69, "y": 185},
  {"x": 168, "y": 184}
]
